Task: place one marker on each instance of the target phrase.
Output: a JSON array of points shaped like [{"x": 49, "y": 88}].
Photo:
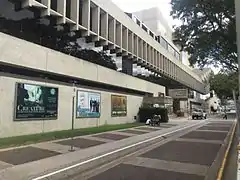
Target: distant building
[
  {"x": 213, "y": 103},
  {"x": 154, "y": 19}
]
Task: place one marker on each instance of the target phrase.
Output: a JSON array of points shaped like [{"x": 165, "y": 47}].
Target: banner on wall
[
  {"x": 119, "y": 105},
  {"x": 88, "y": 104},
  {"x": 36, "y": 102}
]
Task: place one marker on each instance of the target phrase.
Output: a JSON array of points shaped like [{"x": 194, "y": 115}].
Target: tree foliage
[
  {"x": 207, "y": 32},
  {"x": 223, "y": 84}
]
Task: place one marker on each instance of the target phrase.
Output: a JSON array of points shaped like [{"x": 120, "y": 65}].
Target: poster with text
[
  {"x": 36, "y": 102},
  {"x": 119, "y": 105},
  {"x": 88, "y": 104}
]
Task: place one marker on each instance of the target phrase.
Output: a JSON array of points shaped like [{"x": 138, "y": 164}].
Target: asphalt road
[
  {"x": 191, "y": 154},
  {"x": 184, "y": 150}
]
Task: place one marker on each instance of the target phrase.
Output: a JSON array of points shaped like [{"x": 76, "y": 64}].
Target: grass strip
[{"x": 49, "y": 136}]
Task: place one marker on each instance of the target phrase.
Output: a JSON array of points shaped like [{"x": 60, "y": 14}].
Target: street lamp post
[{"x": 73, "y": 115}]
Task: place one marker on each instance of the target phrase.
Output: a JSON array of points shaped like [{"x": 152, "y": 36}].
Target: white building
[{"x": 68, "y": 46}]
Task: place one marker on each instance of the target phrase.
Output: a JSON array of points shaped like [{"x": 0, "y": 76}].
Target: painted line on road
[
  {"x": 223, "y": 165},
  {"x": 113, "y": 152}
]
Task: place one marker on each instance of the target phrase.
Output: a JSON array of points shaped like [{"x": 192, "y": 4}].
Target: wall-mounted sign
[
  {"x": 88, "y": 104},
  {"x": 36, "y": 102},
  {"x": 119, "y": 105},
  {"x": 178, "y": 93}
]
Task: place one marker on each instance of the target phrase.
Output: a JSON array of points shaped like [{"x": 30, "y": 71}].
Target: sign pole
[{"x": 73, "y": 111}]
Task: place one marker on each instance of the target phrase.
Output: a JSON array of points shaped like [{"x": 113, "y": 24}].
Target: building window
[
  {"x": 144, "y": 28},
  {"x": 80, "y": 12},
  {"x": 164, "y": 43},
  {"x": 54, "y": 5},
  {"x": 68, "y": 9},
  {"x": 138, "y": 22}
]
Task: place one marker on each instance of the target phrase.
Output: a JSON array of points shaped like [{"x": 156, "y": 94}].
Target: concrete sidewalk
[
  {"x": 42, "y": 157},
  {"x": 24, "y": 154}
]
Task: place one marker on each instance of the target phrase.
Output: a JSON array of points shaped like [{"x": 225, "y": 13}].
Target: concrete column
[
  {"x": 144, "y": 51},
  {"x": 161, "y": 62},
  {"x": 95, "y": 19},
  {"x": 125, "y": 38},
  {"x": 27, "y": 3},
  {"x": 151, "y": 55},
  {"x": 174, "y": 70},
  {"x": 167, "y": 66},
  {"x": 148, "y": 53},
  {"x": 47, "y": 11},
  {"x": 154, "y": 57},
  {"x": 136, "y": 45},
  {"x": 140, "y": 48},
  {"x": 171, "y": 66},
  {"x": 86, "y": 17},
  {"x": 118, "y": 34},
  {"x": 104, "y": 25},
  {"x": 75, "y": 13},
  {"x": 61, "y": 8},
  {"x": 130, "y": 41},
  {"x": 164, "y": 64},
  {"x": 111, "y": 32},
  {"x": 158, "y": 60}
]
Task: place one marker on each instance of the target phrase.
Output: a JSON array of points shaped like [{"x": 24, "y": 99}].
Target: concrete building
[
  {"x": 156, "y": 25},
  {"x": 155, "y": 21},
  {"x": 64, "y": 48}
]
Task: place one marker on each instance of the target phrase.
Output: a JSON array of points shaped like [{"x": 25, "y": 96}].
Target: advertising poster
[
  {"x": 36, "y": 102},
  {"x": 119, "y": 105},
  {"x": 88, "y": 104}
]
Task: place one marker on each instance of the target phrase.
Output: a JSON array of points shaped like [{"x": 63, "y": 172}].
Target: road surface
[{"x": 175, "y": 151}]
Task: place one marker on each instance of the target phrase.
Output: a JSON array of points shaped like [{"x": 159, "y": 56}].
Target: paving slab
[
  {"x": 169, "y": 166},
  {"x": 167, "y": 125},
  {"x": 131, "y": 131},
  {"x": 4, "y": 165},
  {"x": 25, "y": 155},
  {"x": 80, "y": 143},
  {"x": 200, "y": 140},
  {"x": 98, "y": 139},
  {"x": 217, "y": 128},
  {"x": 111, "y": 136},
  {"x": 148, "y": 128},
  {"x": 186, "y": 152},
  {"x": 208, "y": 135},
  {"x": 130, "y": 172},
  {"x": 221, "y": 124},
  {"x": 53, "y": 147}
]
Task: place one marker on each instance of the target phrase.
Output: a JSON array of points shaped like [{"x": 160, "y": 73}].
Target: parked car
[{"x": 199, "y": 114}]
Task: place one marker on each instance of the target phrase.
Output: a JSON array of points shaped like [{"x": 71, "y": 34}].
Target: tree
[
  {"x": 207, "y": 32},
  {"x": 223, "y": 84}
]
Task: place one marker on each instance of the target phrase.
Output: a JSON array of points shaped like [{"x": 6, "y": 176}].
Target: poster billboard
[
  {"x": 178, "y": 93},
  {"x": 119, "y": 105},
  {"x": 88, "y": 104},
  {"x": 36, "y": 102}
]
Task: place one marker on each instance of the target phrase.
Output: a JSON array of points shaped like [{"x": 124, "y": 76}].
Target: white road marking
[{"x": 112, "y": 152}]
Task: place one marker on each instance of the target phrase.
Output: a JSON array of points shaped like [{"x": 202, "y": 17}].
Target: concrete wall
[
  {"x": 19, "y": 52},
  {"x": 9, "y": 127}
]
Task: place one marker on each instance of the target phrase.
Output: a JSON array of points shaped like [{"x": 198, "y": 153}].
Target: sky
[
  {"x": 164, "y": 6},
  {"x": 136, "y": 5}
]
